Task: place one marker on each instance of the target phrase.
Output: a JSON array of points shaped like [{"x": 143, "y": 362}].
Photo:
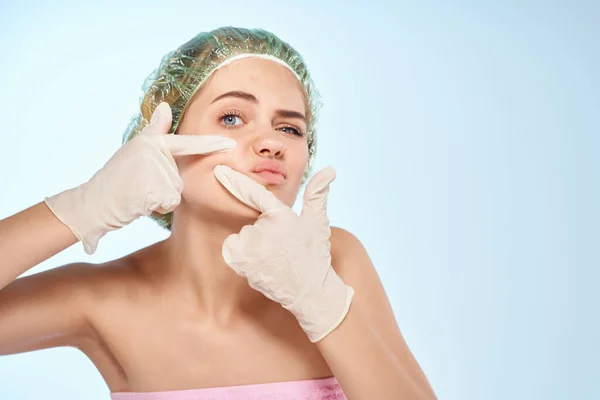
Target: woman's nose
[{"x": 270, "y": 147}]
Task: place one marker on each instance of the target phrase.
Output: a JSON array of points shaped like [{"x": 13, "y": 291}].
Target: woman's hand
[
  {"x": 287, "y": 256},
  {"x": 140, "y": 178}
]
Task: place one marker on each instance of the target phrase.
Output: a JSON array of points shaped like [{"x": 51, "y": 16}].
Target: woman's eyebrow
[
  {"x": 250, "y": 97},
  {"x": 290, "y": 114},
  {"x": 238, "y": 94}
]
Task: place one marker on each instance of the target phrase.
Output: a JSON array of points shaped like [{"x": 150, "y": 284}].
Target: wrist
[
  {"x": 71, "y": 208},
  {"x": 321, "y": 312}
]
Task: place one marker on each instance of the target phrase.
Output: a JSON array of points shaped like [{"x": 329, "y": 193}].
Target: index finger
[
  {"x": 247, "y": 190},
  {"x": 185, "y": 145}
]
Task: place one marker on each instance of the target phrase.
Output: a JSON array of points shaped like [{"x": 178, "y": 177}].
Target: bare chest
[{"x": 149, "y": 352}]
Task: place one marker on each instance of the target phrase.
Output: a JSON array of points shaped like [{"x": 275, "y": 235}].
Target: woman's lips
[
  {"x": 271, "y": 172},
  {"x": 271, "y": 178}
]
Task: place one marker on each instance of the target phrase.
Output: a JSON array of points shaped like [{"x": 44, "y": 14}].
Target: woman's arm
[
  {"x": 47, "y": 309},
  {"x": 367, "y": 352},
  {"x": 28, "y": 238}
]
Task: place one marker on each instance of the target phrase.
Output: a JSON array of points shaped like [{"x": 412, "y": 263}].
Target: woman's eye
[
  {"x": 230, "y": 120},
  {"x": 293, "y": 131}
]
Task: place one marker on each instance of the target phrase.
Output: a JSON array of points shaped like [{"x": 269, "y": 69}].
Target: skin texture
[{"x": 173, "y": 315}]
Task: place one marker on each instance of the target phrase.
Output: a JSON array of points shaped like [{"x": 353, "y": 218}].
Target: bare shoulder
[
  {"x": 67, "y": 306},
  {"x": 52, "y": 308},
  {"x": 65, "y": 284},
  {"x": 342, "y": 238},
  {"x": 345, "y": 246},
  {"x": 350, "y": 260},
  {"x": 80, "y": 281}
]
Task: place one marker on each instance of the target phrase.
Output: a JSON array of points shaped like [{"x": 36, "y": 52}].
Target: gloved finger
[
  {"x": 317, "y": 191},
  {"x": 166, "y": 166},
  {"x": 185, "y": 145},
  {"x": 160, "y": 122},
  {"x": 248, "y": 191},
  {"x": 227, "y": 249}
]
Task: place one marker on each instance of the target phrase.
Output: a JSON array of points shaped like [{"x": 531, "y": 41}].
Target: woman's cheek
[
  {"x": 203, "y": 192},
  {"x": 196, "y": 172}
]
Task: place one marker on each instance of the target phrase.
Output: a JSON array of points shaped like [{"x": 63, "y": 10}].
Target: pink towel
[{"x": 315, "y": 389}]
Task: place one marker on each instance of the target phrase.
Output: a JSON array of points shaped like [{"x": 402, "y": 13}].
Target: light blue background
[{"x": 466, "y": 140}]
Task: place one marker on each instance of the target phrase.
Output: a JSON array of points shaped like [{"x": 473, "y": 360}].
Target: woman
[{"x": 245, "y": 299}]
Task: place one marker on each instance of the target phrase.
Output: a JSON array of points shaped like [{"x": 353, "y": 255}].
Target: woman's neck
[{"x": 194, "y": 268}]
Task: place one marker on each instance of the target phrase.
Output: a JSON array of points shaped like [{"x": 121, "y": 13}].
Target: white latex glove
[
  {"x": 140, "y": 178},
  {"x": 287, "y": 257}
]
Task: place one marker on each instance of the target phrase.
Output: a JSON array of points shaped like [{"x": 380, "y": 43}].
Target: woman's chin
[
  {"x": 226, "y": 211},
  {"x": 217, "y": 205},
  {"x": 239, "y": 212}
]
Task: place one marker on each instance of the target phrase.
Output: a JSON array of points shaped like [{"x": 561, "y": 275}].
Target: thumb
[{"x": 317, "y": 190}]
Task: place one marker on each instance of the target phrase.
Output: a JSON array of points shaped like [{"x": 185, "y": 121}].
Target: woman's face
[{"x": 261, "y": 105}]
